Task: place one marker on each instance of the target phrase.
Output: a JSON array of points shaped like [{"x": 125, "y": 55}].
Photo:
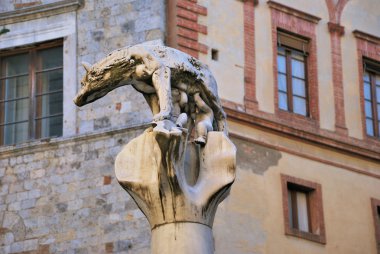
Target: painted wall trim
[{"x": 40, "y": 11}]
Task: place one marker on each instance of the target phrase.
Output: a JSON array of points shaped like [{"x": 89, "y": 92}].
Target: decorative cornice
[
  {"x": 335, "y": 28},
  {"x": 46, "y": 144},
  {"x": 365, "y": 36},
  {"x": 40, "y": 11},
  {"x": 293, "y": 12},
  {"x": 355, "y": 147}
]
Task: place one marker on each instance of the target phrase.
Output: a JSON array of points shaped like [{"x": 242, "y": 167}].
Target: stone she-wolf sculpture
[
  {"x": 158, "y": 72},
  {"x": 176, "y": 183}
]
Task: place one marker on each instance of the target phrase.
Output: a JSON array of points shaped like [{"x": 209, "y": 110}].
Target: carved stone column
[{"x": 178, "y": 185}]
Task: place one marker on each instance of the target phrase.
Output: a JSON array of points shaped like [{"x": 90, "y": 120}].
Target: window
[
  {"x": 299, "y": 208},
  {"x": 31, "y": 93},
  {"x": 371, "y": 86},
  {"x": 291, "y": 73},
  {"x": 303, "y": 212},
  {"x": 376, "y": 217}
]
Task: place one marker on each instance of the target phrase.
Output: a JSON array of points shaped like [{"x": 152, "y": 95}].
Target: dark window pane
[
  {"x": 15, "y": 111},
  {"x": 369, "y": 127},
  {"x": 378, "y": 94},
  {"x": 282, "y": 101},
  {"x": 49, "y": 81},
  {"x": 15, "y": 65},
  {"x": 13, "y": 88},
  {"x": 299, "y": 87},
  {"x": 378, "y": 112},
  {"x": 281, "y": 63},
  {"x": 367, "y": 91},
  {"x": 377, "y": 81},
  {"x": 50, "y": 58},
  {"x": 368, "y": 109},
  {"x": 15, "y": 133},
  {"x": 299, "y": 105},
  {"x": 298, "y": 69},
  {"x": 51, "y": 127},
  {"x": 282, "y": 82},
  {"x": 50, "y": 104}
]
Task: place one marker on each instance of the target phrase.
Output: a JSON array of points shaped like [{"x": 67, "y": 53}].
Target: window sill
[
  {"x": 291, "y": 118},
  {"x": 305, "y": 235}
]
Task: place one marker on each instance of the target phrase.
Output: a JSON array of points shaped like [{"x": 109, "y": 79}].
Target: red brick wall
[{"x": 183, "y": 26}]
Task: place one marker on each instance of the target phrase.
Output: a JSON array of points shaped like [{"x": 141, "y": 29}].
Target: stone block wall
[
  {"x": 104, "y": 26},
  {"x": 62, "y": 197}
]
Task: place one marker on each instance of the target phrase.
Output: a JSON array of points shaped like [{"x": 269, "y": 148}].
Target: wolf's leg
[
  {"x": 161, "y": 82},
  {"x": 203, "y": 120}
]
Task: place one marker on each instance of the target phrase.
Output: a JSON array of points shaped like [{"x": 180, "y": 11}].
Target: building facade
[{"x": 299, "y": 81}]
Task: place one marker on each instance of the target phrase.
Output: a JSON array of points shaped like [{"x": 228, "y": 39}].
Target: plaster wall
[
  {"x": 352, "y": 19},
  {"x": 325, "y": 77},
  {"x": 225, "y": 33},
  {"x": 258, "y": 214}
]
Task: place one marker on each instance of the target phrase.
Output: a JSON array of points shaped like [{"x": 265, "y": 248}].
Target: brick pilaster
[
  {"x": 183, "y": 27},
  {"x": 336, "y": 32},
  {"x": 250, "y": 100}
]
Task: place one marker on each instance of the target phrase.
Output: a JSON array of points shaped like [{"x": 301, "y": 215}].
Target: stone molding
[
  {"x": 366, "y": 36},
  {"x": 335, "y": 28},
  {"x": 368, "y": 149},
  {"x": 293, "y": 12},
  {"x": 40, "y": 11},
  {"x": 34, "y": 146}
]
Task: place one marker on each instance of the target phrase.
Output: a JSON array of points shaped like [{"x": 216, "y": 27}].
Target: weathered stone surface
[
  {"x": 66, "y": 206},
  {"x": 152, "y": 169}
]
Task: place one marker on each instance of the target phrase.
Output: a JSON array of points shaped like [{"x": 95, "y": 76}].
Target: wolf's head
[{"x": 103, "y": 77}]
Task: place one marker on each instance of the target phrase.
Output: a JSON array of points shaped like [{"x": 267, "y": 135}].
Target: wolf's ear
[{"x": 86, "y": 66}]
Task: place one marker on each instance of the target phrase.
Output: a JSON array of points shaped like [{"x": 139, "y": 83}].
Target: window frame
[
  {"x": 375, "y": 204},
  {"x": 31, "y": 50},
  {"x": 315, "y": 208},
  {"x": 289, "y": 76},
  {"x": 372, "y": 81}
]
